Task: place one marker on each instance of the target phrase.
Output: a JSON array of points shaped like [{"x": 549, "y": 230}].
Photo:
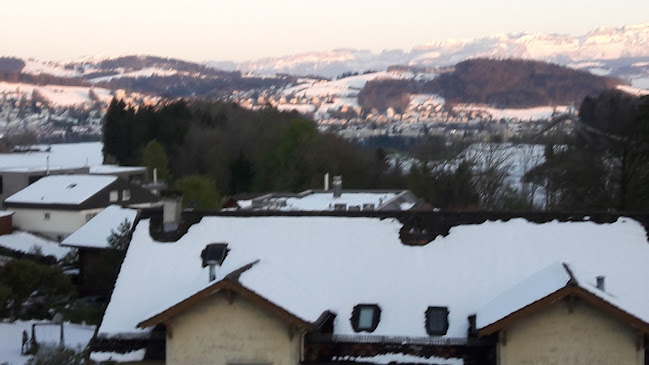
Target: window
[
  {"x": 47, "y": 216},
  {"x": 113, "y": 196},
  {"x": 437, "y": 320},
  {"x": 0, "y": 184},
  {"x": 365, "y": 317},
  {"x": 126, "y": 194}
]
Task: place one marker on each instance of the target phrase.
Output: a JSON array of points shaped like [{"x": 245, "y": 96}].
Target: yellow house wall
[
  {"x": 217, "y": 332},
  {"x": 586, "y": 336}
]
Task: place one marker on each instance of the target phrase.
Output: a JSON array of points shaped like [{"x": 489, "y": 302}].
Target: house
[
  {"x": 56, "y": 206},
  {"x": 400, "y": 287},
  {"x": 92, "y": 239},
  {"x": 27, "y": 164},
  {"x": 337, "y": 199}
]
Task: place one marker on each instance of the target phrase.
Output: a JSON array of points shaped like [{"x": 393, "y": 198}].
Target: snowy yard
[{"x": 76, "y": 336}]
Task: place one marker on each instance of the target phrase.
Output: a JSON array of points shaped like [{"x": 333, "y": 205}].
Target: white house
[{"x": 56, "y": 206}]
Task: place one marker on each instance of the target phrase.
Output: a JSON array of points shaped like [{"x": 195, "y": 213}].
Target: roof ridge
[
  {"x": 235, "y": 274},
  {"x": 573, "y": 280}
]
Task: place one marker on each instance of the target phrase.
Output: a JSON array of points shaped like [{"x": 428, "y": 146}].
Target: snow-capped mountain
[{"x": 605, "y": 43}]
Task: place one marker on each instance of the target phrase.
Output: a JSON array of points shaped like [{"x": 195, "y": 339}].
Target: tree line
[{"x": 210, "y": 150}]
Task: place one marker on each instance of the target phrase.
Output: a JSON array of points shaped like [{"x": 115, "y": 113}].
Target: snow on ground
[
  {"x": 318, "y": 256},
  {"x": 75, "y": 336},
  {"x": 145, "y": 72},
  {"x": 633, "y": 90},
  {"x": 516, "y": 159},
  {"x": 29, "y": 243},
  {"x": 396, "y": 358},
  {"x": 64, "y": 96},
  {"x": 640, "y": 64},
  {"x": 137, "y": 355},
  {"x": 640, "y": 83},
  {"x": 61, "y": 156},
  {"x": 300, "y": 108},
  {"x": 39, "y": 67},
  {"x": 348, "y": 86},
  {"x": 62, "y": 189},
  {"x": 96, "y": 231},
  {"x": 536, "y": 113}
]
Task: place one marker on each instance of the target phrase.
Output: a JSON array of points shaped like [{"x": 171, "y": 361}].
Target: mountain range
[{"x": 596, "y": 49}]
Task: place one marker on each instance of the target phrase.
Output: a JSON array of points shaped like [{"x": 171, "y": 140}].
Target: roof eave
[
  {"x": 564, "y": 292},
  {"x": 228, "y": 285}
]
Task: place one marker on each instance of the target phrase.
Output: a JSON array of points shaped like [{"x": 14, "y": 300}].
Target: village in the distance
[{"x": 474, "y": 202}]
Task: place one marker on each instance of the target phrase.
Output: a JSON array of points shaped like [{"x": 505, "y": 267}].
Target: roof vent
[
  {"x": 213, "y": 255},
  {"x": 338, "y": 186},
  {"x": 600, "y": 282},
  {"x": 71, "y": 186}
]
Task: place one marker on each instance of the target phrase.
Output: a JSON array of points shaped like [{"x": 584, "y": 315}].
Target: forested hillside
[{"x": 499, "y": 83}]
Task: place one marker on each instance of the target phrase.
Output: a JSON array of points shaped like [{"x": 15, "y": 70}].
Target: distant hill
[{"x": 499, "y": 83}]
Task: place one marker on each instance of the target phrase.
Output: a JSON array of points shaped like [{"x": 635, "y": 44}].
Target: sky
[{"x": 201, "y": 30}]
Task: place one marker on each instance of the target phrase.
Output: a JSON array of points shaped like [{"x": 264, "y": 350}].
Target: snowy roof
[
  {"x": 61, "y": 156},
  {"x": 528, "y": 291},
  {"x": 311, "y": 264},
  {"x": 326, "y": 201},
  {"x": 5, "y": 213},
  {"x": 311, "y": 200},
  {"x": 29, "y": 243},
  {"x": 61, "y": 189},
  {"x": 115, "y": 169},
  {"x": 96, "y": 231}
]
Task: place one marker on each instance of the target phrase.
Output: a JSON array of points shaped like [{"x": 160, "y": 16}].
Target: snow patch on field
[
  {"x": 633, "y": 90},
  {"x": 145, "y": 72},
  {"x": 536, "y": 113},
  {"x": 640, "y": 83},
  {"x": 64, "y": 96},
  {"x": 76, "y": 337},
  {"x": 38, "y": 67}
]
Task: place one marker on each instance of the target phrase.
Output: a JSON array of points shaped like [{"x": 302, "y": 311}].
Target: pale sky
[{"x": 201, "y": 30}]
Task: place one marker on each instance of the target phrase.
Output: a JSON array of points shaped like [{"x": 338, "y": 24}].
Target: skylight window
[
  {"x": 437, "y": 321},
  {"x": 365, "y": 317},
  {"x": 71, "y": 186}
]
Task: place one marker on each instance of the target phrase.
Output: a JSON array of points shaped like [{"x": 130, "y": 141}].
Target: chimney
[
  {"x": 338, "y": 186},
  {"x": 600, "y": 282},
  {"x": 326, "y": 182},
  {"x": 213, "y": 256},
  {"x": 172, "y": 208}
]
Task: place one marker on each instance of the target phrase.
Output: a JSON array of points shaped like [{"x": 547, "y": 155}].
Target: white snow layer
[
  {"x": 76, "y": 337},
  {"x": 96, "y": 231},
  {"x": 398, "y": 358},
  {"x": 537, "y": 286},
  {"x": 326, "y": 201},
  {"x": 62, "y": 189},
  {"x": 29, "y": 243},
  {"x": 136, "y": 355},
  {"x": 57, "y": 94},
  {"x": 312, "y": 264},
  {"x": 61, "y": 156}
]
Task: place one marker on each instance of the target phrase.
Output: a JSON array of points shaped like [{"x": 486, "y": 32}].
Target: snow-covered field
[
  {"x": 76, "y": 336},
  {"x": 145, "y": 72},
  {"x": 537, "y": 113},
  {"x": 57, "y": 95},
  {"x": 633, "y": 90}
]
